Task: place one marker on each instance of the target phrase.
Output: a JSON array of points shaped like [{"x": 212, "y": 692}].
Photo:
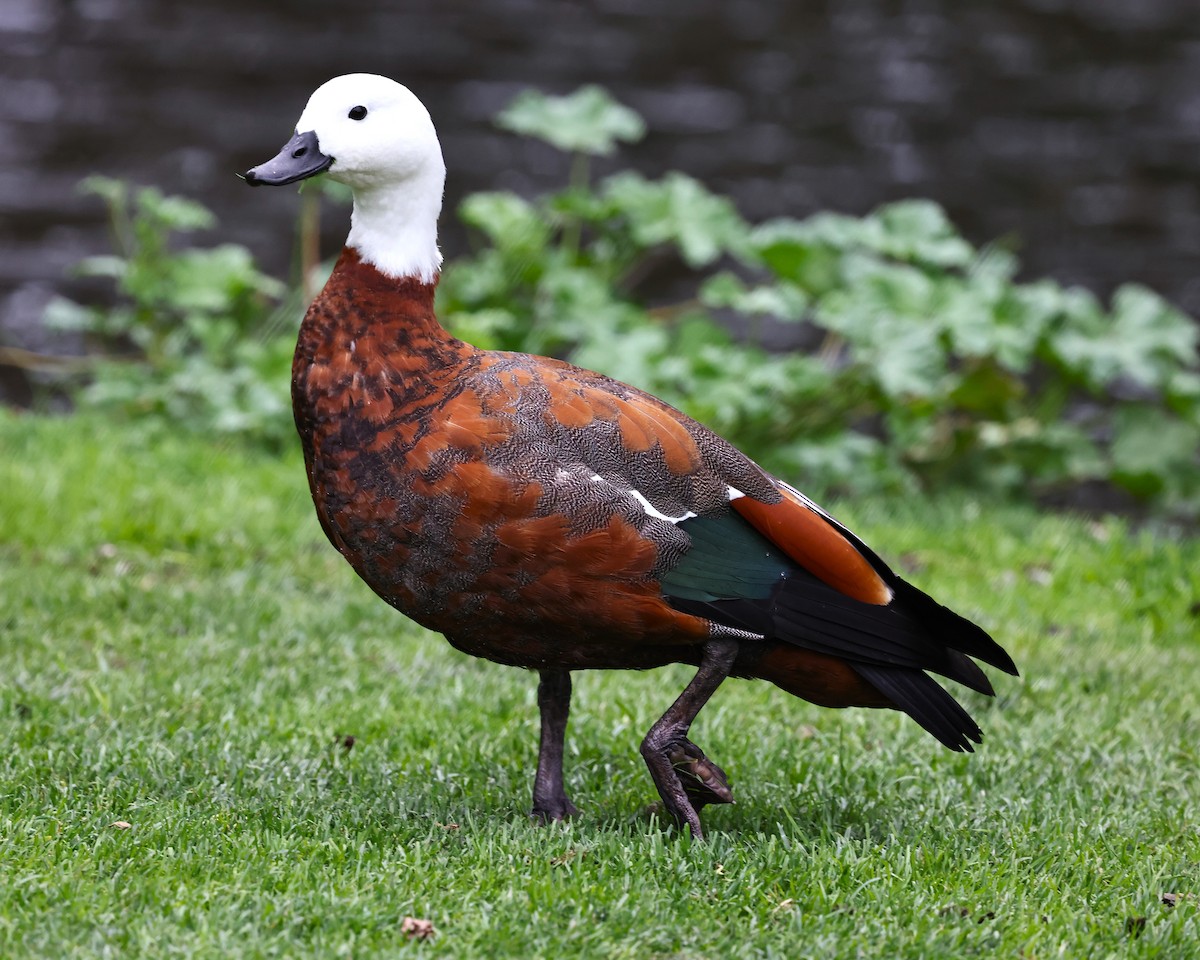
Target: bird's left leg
[
  {"x": 554, "y": 701},
  {"x": 668, "y": 739}
]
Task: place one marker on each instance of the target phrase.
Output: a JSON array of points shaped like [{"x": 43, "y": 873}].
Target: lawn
[{"x": 184, "y": 661}]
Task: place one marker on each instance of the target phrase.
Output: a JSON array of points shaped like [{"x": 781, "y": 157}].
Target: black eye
[{"x": 357, "y": 113}]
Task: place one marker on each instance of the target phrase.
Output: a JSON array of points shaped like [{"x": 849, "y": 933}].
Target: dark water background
[{"x": 1071, "y": 124}]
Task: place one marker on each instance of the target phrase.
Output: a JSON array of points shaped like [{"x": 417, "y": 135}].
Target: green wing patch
[{"x": 728, "y": 560}]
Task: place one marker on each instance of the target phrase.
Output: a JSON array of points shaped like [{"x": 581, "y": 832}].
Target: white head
[{"x": 375, "y": 136}]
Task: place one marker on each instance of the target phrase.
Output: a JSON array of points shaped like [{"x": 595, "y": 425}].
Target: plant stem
[
  {"x": 310, "y": 241},
  {"x": 578, "y": 183}
]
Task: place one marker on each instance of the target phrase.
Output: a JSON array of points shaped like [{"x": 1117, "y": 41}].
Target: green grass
[{"x": 181, "y": 651}]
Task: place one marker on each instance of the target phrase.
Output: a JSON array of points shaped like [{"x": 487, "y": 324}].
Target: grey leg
[
  {"x": 554, "y": 701},
  {"x": 669, "y": 735}
]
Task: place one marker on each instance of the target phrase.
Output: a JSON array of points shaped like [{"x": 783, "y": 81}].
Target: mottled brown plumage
[
  {"x": 545, "y": 516},
  {"x": 457, "y": 482}
]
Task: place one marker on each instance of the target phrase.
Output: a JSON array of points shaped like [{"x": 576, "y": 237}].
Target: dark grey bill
[{"x": 299, "y": 159}]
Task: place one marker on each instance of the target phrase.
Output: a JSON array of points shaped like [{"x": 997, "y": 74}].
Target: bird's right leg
[
  {"x": 550, "y": 800},
  {"x": 703, "y": 781},
  {"x": 675, "y": 762}
]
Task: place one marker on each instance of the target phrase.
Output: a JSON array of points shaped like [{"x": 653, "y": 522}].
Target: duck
[{"x": 547, "y": 517}]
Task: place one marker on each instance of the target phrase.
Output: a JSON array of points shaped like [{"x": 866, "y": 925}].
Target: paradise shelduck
[{"x": 548, "y": 517}]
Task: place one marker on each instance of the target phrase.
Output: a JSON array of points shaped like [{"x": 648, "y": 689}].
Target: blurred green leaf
[
  {"x": 174, "y": 213},
  {"x": 112, "y": 267},
  {"x": 64, "y": 314},
  {"x": 1150, "y": 446},
  {"x": 214, "y": 280},
  {"x": 791, "y": 250},
  {"x": 114, "y": 193},
  {"x": 510, "y": 223},
  {"x": 587, "y": 121},
  {"x": 680, "y": 211},
  {"x": 1183, "y": 394},
  {"x": 1144, "y": 339},
  {"x": 986, "y": 391},
  {"x": 488, "y": 329},
  {"x": 784, "y": 300},
  {"x": 919, "y": 231}
]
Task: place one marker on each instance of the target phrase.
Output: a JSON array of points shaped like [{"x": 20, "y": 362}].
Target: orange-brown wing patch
[
  {"x": 815, "y": 544},
  {"x": 679, "y": 449},
  {"x": 569, "y": 408},
  {"x": 634, "y": 435}
]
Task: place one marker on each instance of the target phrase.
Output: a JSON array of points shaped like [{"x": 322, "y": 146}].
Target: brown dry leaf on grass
[{"x": 416, "y": 929}]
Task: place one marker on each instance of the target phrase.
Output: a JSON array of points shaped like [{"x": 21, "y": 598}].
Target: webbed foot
[{"x": 702, "y": 780}]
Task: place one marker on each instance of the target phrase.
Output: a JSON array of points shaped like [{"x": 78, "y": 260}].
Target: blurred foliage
[
  {"x": 929, "y": 363},
  {"x": 195, "y": 338},
  {"x": 588, "y": 121}
]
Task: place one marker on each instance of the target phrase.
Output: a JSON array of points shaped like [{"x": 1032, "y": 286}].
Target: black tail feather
[
  {"x": 967, "y": 672},
  {"x": 903, "y": 634},
  {"x": 956, "y": 632},
  {"x": 925, "y": 701}
]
